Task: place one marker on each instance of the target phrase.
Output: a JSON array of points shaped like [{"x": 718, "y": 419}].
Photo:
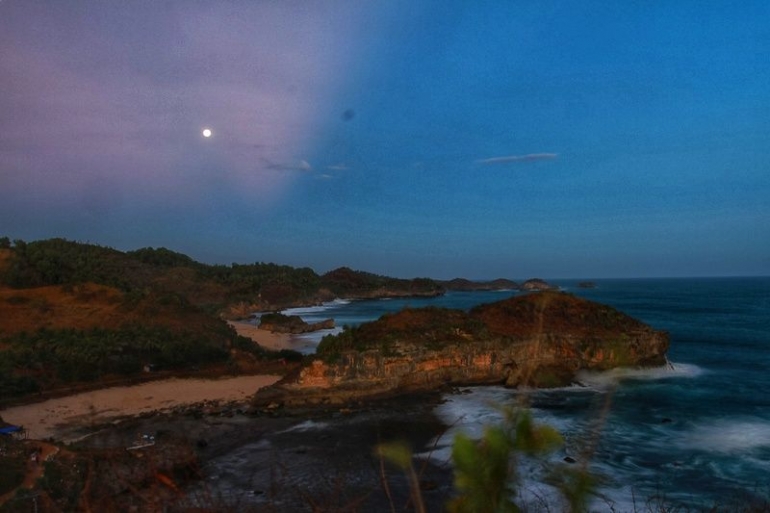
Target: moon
[{"x": 207, "y": 133}]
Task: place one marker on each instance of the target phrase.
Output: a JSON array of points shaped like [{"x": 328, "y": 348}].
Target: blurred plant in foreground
[{"x": 486, "y": 475}]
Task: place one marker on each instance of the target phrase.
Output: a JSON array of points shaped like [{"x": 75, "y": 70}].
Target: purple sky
[{"x": 417, "y": 138}]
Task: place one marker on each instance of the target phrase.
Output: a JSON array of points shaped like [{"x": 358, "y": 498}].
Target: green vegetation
[
  {"x": 110, "y": 313},
  {"x": 161, "y": 257},
  {"x": 47, "y": 358},
  {"x": 62, "y": 262},
  {"x": 486, "y": 471},
  {"x": 345, "y": 281},
  {"x": 486, "y": 478},
  {"x": 428, "y": 327},
  {"x": 58, "y": 261}
]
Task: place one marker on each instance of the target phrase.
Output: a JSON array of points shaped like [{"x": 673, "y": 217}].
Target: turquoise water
[{"x": 696, "y": 432}]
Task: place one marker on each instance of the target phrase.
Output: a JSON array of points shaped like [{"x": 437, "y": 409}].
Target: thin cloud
[
  {"x": 302, "y": 165},
  {"x": 529, "y": 157},
  {"x": 338, "y": 167}
]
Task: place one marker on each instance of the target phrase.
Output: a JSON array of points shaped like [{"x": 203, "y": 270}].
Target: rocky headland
[
  {"x": 541, "y": 339},
  {"x": 294, "y": 324},
  {"x": 465, "y": 285}
]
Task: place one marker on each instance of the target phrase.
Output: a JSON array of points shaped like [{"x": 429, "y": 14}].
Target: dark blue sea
[{"x": 694, "y": 433}]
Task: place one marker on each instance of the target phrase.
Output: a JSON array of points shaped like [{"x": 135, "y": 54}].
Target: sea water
[{"x": 695, "y": 432}]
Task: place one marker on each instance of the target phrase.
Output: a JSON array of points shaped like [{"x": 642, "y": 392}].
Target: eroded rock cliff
[{"x": 541, "y": 339}]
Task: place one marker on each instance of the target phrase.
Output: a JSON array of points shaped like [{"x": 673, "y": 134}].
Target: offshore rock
[
  {"x": 540, "y": 339},
  {"x": 280, "y": 323}
]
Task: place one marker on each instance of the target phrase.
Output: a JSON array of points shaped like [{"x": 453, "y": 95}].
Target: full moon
[{"x": 207, "y": 132}]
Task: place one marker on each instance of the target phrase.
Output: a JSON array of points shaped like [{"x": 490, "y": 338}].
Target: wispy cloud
[
  {"x": 302, "y": 165},
  {"x": 337, "y": 167},
  {"x": 518, "y": 158}
]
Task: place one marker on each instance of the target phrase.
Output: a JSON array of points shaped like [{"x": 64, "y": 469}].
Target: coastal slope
[{"x": 541, "y": 339}]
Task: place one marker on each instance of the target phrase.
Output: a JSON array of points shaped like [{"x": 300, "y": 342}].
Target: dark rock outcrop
[
  {"x": 540, "y": 339},
  {"x": 280, "y": 323}
]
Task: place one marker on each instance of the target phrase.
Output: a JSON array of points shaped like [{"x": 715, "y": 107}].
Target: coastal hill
[
  {"x": 229, "y": 291},
  {"x": 540, "y": 339},
  {"x": 73, "y": 313},
  {"x": 465, "y": 285},
  {"x": 75, "y": 316}
]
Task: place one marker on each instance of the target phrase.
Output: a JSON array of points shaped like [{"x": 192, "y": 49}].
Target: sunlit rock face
[{"x": 541, "y": 339}]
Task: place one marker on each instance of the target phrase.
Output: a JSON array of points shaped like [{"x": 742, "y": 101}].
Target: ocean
[{"x": 693, "y": 433}]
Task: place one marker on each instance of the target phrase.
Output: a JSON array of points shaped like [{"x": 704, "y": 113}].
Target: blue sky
[{"x": 413, "y": 138}]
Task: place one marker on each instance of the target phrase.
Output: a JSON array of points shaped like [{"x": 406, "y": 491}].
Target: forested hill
[
  {"x": 228, "y": 290},
  {"x": 75, "y": 314}
]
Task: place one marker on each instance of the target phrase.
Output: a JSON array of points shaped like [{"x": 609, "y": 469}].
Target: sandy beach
[
  {"x": 55, "y": 417},
  {"x": 61, "y": 416},
  {"x": 268, "y": 339}
]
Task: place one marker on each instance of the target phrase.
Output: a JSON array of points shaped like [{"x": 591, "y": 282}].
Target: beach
[
  {"x": 270, "y": 340},
  {"x": 58, "y": 418},
  {"x": 61, "y": 417}
]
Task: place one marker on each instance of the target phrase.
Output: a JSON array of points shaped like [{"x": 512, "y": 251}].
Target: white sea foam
[
  {"x": 305, "y": 310},
  {"x": 316, "y": 309},
  {"x": 475, "y": 409},
  {"x": 728, "y": 436},
  {"x": 308, "y": 425},
  {"x": 612, "y": 377}
]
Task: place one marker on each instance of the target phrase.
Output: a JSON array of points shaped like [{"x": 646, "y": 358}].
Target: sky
[{"x": 516, "y": 139}]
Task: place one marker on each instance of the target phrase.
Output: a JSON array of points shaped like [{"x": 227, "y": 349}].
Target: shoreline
[
  {"x": 270, "y": 340},
  {"x": 61, "y": 416}
]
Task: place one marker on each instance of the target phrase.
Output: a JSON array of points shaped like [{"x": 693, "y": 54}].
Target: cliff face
[{"x": 540, "y": 339}]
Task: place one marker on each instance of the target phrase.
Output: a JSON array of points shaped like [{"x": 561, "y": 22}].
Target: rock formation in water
[
  {"x": 280, "y": 323},
  {"x": 540, "y": 339}
]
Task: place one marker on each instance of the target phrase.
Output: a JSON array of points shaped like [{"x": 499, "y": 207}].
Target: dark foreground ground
[{"x": 299, "y": 461}]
